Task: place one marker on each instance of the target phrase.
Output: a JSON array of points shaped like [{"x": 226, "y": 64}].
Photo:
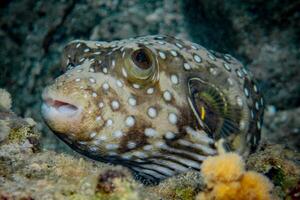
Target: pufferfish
[{"x": 155, "y": 104}]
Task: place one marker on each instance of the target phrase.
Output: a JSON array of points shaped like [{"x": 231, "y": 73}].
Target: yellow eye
[{"x": 141, "y": 59}]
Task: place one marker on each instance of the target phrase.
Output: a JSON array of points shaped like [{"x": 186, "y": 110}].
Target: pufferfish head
[{"x": 116, "y": 98}]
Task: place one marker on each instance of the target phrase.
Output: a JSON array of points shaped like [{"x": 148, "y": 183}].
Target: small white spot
[
  {"x": 82, "y": 59},
  {"x": 113, "y": 63},
  {"x": 162, "y": 55},
  {"x": 197, "y": 58},
  {"x": 244, "y": 70},
  {"x": 118, "y": 134},
  {"x": 136, "y": 86},
  {"x": 194, "y": 47},
  {"x": 98, "y": 44},
  {"x": 119, "y": 83},
  {"x": 172, "y": 118},
  {"x": 97, "y": 53},
  {"x": 252, "y": 114},
  {"x": 152, "y": 112},
  {"x": 92, "y": 80},
  {"x": 79, "y": 70},
  {"x": 115, "y": 105},
  {"x": 150, "y": 90},
  {"x": 132, "y": 101},
  {"x": 227, "y": 57},
  {"x": 101, "y": 105},
  {"x": 227, "y": 67},
  {"x": 239, "y": 74},
  {"x": 213, "y": 71},
  {"x": 230, "y": 81},
  {"x": 147, "y": 147},
  {"x": 94, "y": 94},
  {"x": 150, "y": 132},
  {"x": 78, "y": 45},
  {"x": 239, "y": 101},
  {"x": 212, "y": 57},
  {"x": 258, "y": 125},
  {"x": 167, "y": 95},
  {"x": 111, "y": 146},
  {"x": 104, "y": 70},
  {"x": 131, "y": 144},
  {"x": 170, "y": 135},
  {"x": 178, "y": 45},
  {"x": 161, "y": 42},
  {"x": 242, "y": 124},
  {"x": 86, "y": 50},
  {"x": 92, "y": 70},
  {"x": 92, "y": 60},
  {"x": 130, "y": 121},
  {"x": 174, "y": 53},
  {"x": 262, "y": 101},
  {"x": 123, "y": 54},
  {"x": 109, "y": 122},
  {"x": 246, "y": 92},
  {"x": 102, "y": 137},
  {"x": 187, "y": 66},
  {"x": 124, "y": 72},
  {"x": 256, "y": 105},
  {"x": 93, "y": 134},
  {"x": 174, "y": 79},
  {"x": 255, "y": 88},
  {"x": 105, "y": 86},
  {"x": 98, "y": 118},
  {"x": 77, "y": 79}
]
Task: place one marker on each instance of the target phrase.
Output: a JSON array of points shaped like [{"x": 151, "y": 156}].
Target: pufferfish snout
[{"x": 154, "y": 104}]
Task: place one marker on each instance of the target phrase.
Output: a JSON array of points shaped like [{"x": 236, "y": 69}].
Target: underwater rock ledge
[{"x": 29, "y": 172}]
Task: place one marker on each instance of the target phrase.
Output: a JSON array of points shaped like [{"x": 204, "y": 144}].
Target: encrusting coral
[{"x": 227, "y": 179}]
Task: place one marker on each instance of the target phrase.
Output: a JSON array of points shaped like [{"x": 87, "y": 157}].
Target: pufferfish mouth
[{"x": 59, "y": 109}]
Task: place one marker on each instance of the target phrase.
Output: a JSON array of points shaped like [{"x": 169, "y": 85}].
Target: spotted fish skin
[{"x": 155, "y": 104}]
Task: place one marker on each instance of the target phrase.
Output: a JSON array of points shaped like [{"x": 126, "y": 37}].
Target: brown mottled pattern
[{"x": 156, "y": 104}]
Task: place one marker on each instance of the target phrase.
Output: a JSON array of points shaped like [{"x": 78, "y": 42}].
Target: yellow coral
[
  {"x": 255, "y": 186},
  {"x": 226, "y": 167},
  {"x": 227, "y": 179},
  {"x": 5, "y": 99}
]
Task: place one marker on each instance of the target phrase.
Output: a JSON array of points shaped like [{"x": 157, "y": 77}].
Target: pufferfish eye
[{"x": 141, "y": 59}]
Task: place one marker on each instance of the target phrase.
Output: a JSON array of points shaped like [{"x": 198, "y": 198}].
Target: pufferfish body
[{"x": 155, "y": 104}]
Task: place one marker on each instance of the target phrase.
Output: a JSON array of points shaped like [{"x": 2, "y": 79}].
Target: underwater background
[{"x": 263, "y": 35}]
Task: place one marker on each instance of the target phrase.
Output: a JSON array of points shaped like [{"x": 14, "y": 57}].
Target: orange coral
[{"x": 227, "y": 179}]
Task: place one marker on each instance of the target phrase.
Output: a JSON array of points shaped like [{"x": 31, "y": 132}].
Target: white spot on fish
[
  {"x": 131, "y": 144},
  {"x": 130, "y": 121},
  {"x": 197, "y": 58},
  {"x": 187, "y": 66},
  {"x": 124, "y": 72},
  {"x": 109, "y": 122},
  {"x": 170, "y": 135},
  {"x": 115, "y": 105},
  {"x": 132, "y": 101},
  {"x": 150, "y": 90},
  {"x": 105, "y": 86},
  {"x": 152, "y": 112},
  {"x": 150, "y": 132},
  {"x": 167, "y": 95},
  {"x": 172, "y": 118},
  {"x": 118, "y": 134},
  {"x": 174, "y": 53},
  {"x": 174, "y": 79},
  {"x": 162, "y": 55}
]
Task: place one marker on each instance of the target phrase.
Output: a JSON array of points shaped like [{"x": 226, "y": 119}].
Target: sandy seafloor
[{"x": 264, "y": 35}]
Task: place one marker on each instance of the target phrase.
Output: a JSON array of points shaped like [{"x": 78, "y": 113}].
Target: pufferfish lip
[{"x": 59, "y": 108}]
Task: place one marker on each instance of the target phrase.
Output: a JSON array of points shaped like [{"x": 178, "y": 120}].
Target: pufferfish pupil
[{"x": 155, "y": 104}]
